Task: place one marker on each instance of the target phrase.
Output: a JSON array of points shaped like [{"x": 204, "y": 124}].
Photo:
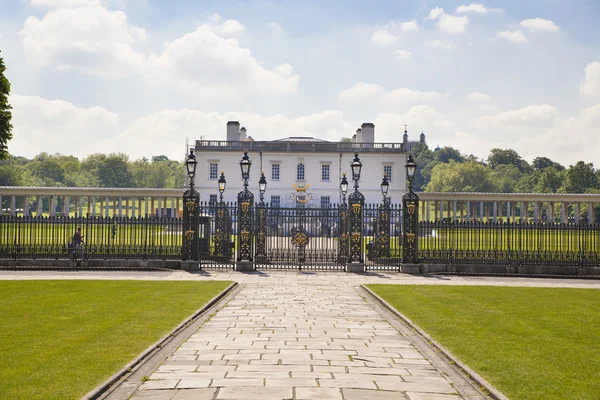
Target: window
[
  {"x": 300, "y": 172},
  {"x": 275, "y": 201},
  {"x": 213, "y": 199},
  {"x": 325, "y": 201},
  {"x": 275, "y": 172},
  {"x": 387, "y": 171},
  {"x": 213, "y": 171},
  {"x": 325, "y": 172}
]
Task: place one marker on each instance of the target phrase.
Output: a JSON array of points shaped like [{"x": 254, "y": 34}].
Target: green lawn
[
  {"x": 530, "y": 343},
  {"x": 60, "y": 339}
]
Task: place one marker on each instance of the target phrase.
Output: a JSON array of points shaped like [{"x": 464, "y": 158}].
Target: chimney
[
  {"x": 354, "y": 138},
  {"x": 242, "y": 134},
  {"x": 233, "y": 131},
  {"x": 358, "y": 136},
  {"x": 368, "y": 132}
]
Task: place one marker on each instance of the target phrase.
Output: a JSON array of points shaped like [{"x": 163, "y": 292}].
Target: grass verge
[
  {"x": 530, "y": 343},
  {"x": 60, "y": 339}
]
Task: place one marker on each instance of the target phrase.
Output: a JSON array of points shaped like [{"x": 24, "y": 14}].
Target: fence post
[
  {"x": 356, "y": 259},
  {"x": 191, "y": 200},
  {"x": 410, "y": 218},
  {"x": 245, "y": 260}
]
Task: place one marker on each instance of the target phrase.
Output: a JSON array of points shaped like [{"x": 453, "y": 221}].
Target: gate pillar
[
  {"x": 410, "y": 220},
  {"x": 356, "y": 261},
  {"x": 245, "y": 260},
  {"x": 191, "y": 200}
]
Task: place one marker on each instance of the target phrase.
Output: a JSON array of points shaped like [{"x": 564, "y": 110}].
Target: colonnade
[{"x": 543, "y": 210}]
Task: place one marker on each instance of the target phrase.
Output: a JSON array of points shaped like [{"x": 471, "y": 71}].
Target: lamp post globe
[
  {"x": 356, "y": 167},
  {"x": 190, "y": 165},
  {"x": 411, "y": 168},
  {"x": 245, "y": 165},
  {"x": 344, "y": 185},
  {"x": 385, "y": 185},
  {"x": 222, "y": 184},
  {"x": 262, "y": 186}
]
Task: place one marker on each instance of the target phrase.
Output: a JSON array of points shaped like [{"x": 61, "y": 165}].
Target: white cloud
[
  {"x": 409, "y": 26},
  {"x": 57, "y": 126},
  {"x": 477, "y": 96},
  {"x": 477, "y": 8},
  {"x": 389, "y": 127},
  {"x": 440, "y": 44},
  {"x": 203, "y": 60},
  {"x": 515, "y": 37},
  {"x": 141, "y": 137},
  {"x": 90, "y": 39},
  {"x": 402, "y": 55},
  {"x": 96, "y": 41},
  {"x": 539, "y": 25},
  {"x": 533, "y": 115},
  {"x": 383, "y": 37},
  {"x": 590, "y": 84},
  {"x": 361, "y": 90},
  {"x": 411, "y": 96},
  {"x": 448, "y": 23},
  {"x": 275, "y": 27}
]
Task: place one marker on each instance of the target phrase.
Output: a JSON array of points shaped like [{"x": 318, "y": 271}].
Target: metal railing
[
  {"x": 144, "y": 238},
  {"x": 224, "y": 145},
  {"x": 510, "y": 243}
]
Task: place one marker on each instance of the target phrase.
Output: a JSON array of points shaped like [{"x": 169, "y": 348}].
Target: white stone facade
[{"x": 323, "y": 163}]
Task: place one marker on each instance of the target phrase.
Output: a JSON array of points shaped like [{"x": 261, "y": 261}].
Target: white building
[{"x": 307, "y": 162}]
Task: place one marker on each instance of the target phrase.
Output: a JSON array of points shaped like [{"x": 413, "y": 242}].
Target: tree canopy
[{"x": 5, "y": 112}]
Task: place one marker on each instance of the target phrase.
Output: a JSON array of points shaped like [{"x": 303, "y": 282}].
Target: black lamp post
[
  {"x": 262, "y": 187},
  {"x": 344, "y": 187},
  {"x": 384, "y": 188},
  {"x": 356, "y": 200},
  {"x": 411, "y": 168},
  {"x": 356, "y": 166},
  {"x": 191, "y": 200},
  {"x": 222, "y": 184},
  {"x": 245, "y": 210},
  {"x": 410, "y": 206}
]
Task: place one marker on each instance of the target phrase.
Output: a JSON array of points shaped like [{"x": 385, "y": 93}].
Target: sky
[{"x": 143, "y": 76}]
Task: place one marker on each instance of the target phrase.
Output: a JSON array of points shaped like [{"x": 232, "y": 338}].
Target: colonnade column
[
  {"x": 66, "y": 205},
  {"x": 25, "y": 206}
]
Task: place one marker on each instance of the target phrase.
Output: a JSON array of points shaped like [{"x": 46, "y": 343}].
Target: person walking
[{"x": 77, "y": 241}]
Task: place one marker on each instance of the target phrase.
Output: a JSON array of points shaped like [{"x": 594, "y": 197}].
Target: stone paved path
[{"x": 297, "y": 341}]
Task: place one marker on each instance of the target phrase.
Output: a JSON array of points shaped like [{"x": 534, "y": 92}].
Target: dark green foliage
[{"x": 5, "y": 112}]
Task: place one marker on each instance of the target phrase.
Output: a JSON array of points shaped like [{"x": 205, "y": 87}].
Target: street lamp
[
  {"x": 411, "y": 168},
  {"x": 384, "y": 188},
  {"x": 262, "y": 186},
  {"x": 356, "y": 166},
  {"x": 245, "y": 165},
  {"x": 190, "y": 165},
  {"x": 222, "y": 184},
  {"x": 344, "y": 187}
]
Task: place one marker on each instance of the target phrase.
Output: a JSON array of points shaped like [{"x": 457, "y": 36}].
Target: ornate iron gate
[{"x": 216, "y": 242}]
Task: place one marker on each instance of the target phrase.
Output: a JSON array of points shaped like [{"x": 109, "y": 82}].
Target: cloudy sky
[{"x": 141, "y": 76}]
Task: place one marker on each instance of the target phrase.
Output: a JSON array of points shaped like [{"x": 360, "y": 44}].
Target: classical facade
[{"x": 310, "y": 163}]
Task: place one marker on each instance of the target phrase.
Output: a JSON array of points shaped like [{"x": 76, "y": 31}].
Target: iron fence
[
  {"x": 510, "y": 243},
  {"x": 143, "y": 238}
]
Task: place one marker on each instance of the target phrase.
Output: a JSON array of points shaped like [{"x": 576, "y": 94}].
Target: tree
[
  {"x": 461, "y": 177},
  {"x": 507, "y": 157},
  {"x": 159, "y": 158},
  {"x": 346, "y": 140},
  {"x": 540, "y": 163},
  {"x": 5, "y": 112},
  {"x": 581, "y": 177},
  {"x": 447, "y": 154},
  {"x": 114, "y": 171}
]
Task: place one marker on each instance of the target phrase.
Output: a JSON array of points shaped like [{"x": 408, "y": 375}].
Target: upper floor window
[
  {"x": 213, "y": 171},
  {"x": 387, "y": 171},
  {"x": 275, "y": 201},
  {"x": 275, "y": 172},
  {"x": 325, "y": 172},
  {"x": 300, "y": 172}
]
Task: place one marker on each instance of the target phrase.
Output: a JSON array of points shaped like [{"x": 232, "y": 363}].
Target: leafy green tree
[
  {"x": 346, "y": 140},
  {"x": 447, "y": 154},
  {"x": 505, "y": 177},
  {"x": 159, "y": 158},
  {"x": 424, "y": 158},
  {"x": 48, "y": 171},
  {"x": 113, "y": 171},
  {"x": 5, "y": 112},
  {"x": 461, "y": 177},
  {"x": 581, "y": 177},
  {"x": 9, "y": 176},
  {"x": 540, "y": 163},
  {"x": 507, "y": 157}
]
